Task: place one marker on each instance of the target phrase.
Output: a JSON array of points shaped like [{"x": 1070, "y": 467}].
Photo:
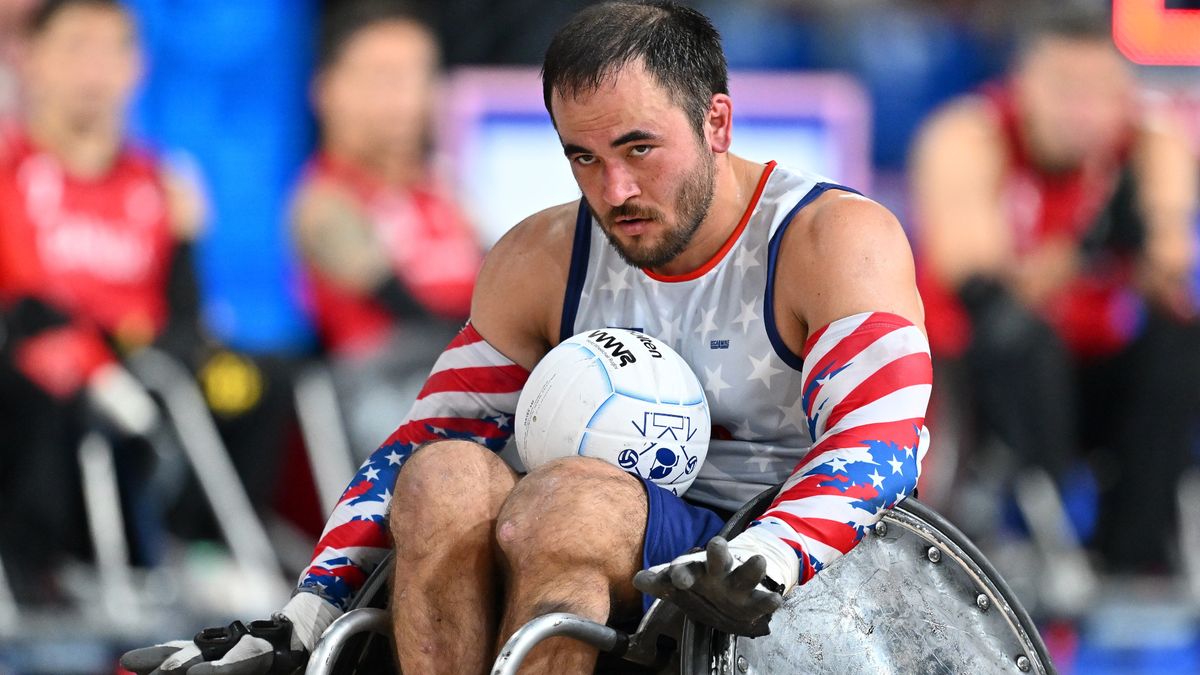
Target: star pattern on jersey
[
  {"x": 747, "y": 258},
  {"x": 708, "y": 323},
  {"x": 761, "y": 458},
  {"x": 794, "y": 415},
  {"x": 747, "y": 316},
  {"x": 618, "y": 280},
  {"x": 713, "y": 384},
  {"x": 762, "y": 370},
  {"x": 742, "y": 431},
  {"x": 668, "y": 329}
]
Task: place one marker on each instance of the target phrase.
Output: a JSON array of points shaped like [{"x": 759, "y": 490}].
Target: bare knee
[
  {"x": 449, "y": 477},
  {"x": 574, "y": 512}
]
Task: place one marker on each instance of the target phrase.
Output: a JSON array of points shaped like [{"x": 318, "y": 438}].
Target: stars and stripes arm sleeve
[
  {"x": 470, "y": 394},
  {"x": 867, "y": 380}
]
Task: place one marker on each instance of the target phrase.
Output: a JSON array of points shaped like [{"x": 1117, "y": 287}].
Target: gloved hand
[
  {"x": 278, "y": 646},
  {"x": 732, "y": 586}
]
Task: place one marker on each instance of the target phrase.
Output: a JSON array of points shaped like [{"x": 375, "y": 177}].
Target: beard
[{"x": 691, "y": 206}]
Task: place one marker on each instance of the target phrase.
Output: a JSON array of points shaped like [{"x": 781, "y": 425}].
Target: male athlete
[
  {"x": 1056, "y": 214},
  {"x": 792, "y": 298}
]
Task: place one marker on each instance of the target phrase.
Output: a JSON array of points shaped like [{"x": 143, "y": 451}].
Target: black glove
[
  {"x": 262, "y": 648},
  {"x": 715, "y": 589}
]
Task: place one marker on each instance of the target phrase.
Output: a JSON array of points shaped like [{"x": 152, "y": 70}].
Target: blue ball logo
[
  {"x": 665, "y": 459},
  {"x": 628, "y": 458}
]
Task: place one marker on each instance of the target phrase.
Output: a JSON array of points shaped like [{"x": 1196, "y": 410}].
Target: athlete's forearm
[
  {"x": 470, "y": 394},
  {"x": 867, "y": 380}
]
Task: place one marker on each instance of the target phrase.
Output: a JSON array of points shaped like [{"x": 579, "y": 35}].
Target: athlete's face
[
  {"x": 377, "y": 95},
  {"x": 645, "y": 173},
  {"x": 1075, "y": 98},
  {"x": 84, "y": 65}
]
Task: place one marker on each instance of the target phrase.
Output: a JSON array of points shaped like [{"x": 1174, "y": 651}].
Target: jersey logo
[{"x": 718, "y": 344}]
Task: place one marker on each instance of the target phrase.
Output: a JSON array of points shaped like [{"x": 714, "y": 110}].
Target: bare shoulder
[
  {"x": 964, "y": 117},
  {"x": 847, "y": 254},
  {"x": 518, "y": 298},
  {"x": 966, "y": 128},
  {"x": 838, "y": 223}
]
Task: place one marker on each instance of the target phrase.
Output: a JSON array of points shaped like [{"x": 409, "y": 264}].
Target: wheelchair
[{"x": 915, "y": 596}]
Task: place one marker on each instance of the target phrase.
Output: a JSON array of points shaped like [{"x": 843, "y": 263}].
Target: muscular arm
[
  {"x": 470, "y": 394},
  {"x": 851, "y": 302},
  {"x": 956, "y": 171}
]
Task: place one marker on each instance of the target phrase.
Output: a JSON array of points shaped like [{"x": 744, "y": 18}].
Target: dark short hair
[
  {"x": 346, "y": 19},
  {"x": 1065, "y": 20},
  {"x": 45, "y": 12},
  {"x": 679, "y": 46}
]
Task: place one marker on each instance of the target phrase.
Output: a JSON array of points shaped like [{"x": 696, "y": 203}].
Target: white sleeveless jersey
[{"x": 720, "y": 318}]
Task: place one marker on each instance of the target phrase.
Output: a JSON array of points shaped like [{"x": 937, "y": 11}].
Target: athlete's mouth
[{"x": 632, "y": 225}]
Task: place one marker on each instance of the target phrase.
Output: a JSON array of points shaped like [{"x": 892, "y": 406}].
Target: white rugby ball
[{"x": 619, "y": 395}]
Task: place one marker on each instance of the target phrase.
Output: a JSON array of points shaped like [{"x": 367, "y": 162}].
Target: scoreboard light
[{"x": 1158, "y": 32}]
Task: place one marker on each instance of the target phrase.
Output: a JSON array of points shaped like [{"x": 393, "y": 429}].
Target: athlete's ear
[{"x": 718, "y": 123}]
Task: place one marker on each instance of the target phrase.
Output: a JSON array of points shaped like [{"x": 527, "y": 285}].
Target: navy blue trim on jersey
[
  {"x": 788, "y": 357},
  {"x": 580, "y": 252}
]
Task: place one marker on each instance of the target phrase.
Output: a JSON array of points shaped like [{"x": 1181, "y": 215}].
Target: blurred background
[{"x": 235, "y": 234}]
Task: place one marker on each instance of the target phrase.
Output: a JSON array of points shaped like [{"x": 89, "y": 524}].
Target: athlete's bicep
[
  {"x": 850, "y": 256},
  {"x": 518, "y": 296}
]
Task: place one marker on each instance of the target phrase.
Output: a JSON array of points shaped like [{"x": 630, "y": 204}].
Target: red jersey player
[
  {"x": 95, "y": 263},
  {"x": 1056, "y": 222},
  {"x": 390, "y": 259}
]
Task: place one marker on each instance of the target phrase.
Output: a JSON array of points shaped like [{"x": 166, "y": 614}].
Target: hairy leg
[
  {"x": 571, "y": 537},
  {"x": 445, "y": 584}
]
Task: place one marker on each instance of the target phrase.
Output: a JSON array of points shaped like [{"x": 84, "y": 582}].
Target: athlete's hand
[
  {"x": 280, "y": 645},
  {"x": 725, "y": 586}
]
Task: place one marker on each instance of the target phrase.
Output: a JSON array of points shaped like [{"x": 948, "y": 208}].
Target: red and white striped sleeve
[
  {"x": 470, "y": 394},
  {"x": 867, "y": 380}
]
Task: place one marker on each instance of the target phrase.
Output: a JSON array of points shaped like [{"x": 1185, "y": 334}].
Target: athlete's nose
[{"x": 619, "y": 184}]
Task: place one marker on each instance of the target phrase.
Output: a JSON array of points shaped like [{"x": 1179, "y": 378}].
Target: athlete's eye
[
  {"x": 640, "y": 150},
  {"x": 585, "y": 160}
]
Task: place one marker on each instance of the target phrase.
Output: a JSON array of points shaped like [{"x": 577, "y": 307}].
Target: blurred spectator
[
  {"x": 390, "y": 259},
  {"x": 13, "y": 14},
  {"x": 86, "y": 247},
  {"x": 95, "y": 264},
  {"x": 1055, "y": 229}
]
